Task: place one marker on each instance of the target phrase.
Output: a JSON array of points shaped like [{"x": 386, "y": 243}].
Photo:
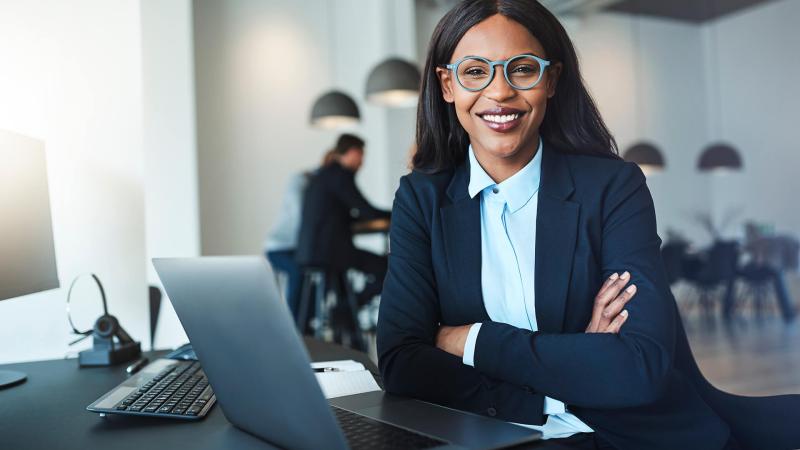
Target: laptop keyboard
[{"x": 364, "y": 433}]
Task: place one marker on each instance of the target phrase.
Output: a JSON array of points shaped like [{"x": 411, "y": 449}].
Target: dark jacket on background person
[
  {"x": 639, "y": 389},
  {"x": 332, "y": 203}
]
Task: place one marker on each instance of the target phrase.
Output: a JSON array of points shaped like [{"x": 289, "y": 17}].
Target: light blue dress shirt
[{"x": 508, "y": 248}]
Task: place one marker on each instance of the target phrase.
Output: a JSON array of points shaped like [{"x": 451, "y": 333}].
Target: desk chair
[
  {"x": 318, "y": 282},
  {"x": 718, "y": 270}
]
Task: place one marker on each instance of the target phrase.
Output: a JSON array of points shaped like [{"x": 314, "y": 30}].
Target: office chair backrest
[
  {"x": 673, "y": 253},
  {"x": 723, "y": 261}
]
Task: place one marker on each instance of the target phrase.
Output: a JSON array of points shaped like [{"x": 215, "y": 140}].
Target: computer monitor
[{"x": 28, "y": 262}]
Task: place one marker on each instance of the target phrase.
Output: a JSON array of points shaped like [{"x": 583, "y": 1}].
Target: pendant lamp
[
  {"x": 647, "y": 156},
  {"x": 719, "y": 156},
  {"x": 334, "y": 110},
  {"x": 393, "y": 83}
]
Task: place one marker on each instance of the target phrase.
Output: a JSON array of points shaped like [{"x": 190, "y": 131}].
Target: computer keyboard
[
  {"x": 364, "y": 433},
  {"x": 165, "y": 388}
]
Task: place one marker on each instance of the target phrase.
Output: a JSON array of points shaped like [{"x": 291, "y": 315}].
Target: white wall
[
  {"x": 172, "y": 217},
  {"x": 259, "y": 68},
  {"x": 759, "y": 85},
  {"x": 647, "y": 78},
  {"x": 71, "y": 76}
]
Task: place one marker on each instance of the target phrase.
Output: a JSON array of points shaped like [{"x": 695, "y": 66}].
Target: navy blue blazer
[{"x": 640, "y": 389}]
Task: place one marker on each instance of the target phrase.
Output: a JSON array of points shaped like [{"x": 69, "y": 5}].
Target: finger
[
  {"x": 611, "y": 292},
  {"x": 616, "y": 306},
  {"x": 600, "y": 301},
  {"x": 616, "y": 324},
  {"x": 608, "y": 281}
]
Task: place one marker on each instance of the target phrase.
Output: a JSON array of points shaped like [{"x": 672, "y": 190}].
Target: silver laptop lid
[{"x": 246, "y": 341}]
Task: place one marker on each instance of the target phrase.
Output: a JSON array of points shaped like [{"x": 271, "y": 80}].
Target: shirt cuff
[
  {"x": 553, "y": 406},
  {"x": 469, "y": 345}
]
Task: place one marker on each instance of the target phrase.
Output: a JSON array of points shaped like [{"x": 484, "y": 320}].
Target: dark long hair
[{"x": 572, "y": 123}]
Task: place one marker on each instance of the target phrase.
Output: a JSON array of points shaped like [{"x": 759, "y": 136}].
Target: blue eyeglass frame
[{"x": 500, "y": 62}]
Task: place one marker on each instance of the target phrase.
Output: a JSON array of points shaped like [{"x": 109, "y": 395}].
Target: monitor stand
[{"x": 9, "y": 378}]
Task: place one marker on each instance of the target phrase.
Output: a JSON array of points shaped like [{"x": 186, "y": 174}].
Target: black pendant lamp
[
  {"x": 334, "y": 110},
  {"x": 647, "y": 156},
  {"x": 719, "y": 156},
  {"x": 394, "y": 82}
]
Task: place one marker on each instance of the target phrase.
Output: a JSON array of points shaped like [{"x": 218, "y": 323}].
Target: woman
[{"x": 516, "y": 212}]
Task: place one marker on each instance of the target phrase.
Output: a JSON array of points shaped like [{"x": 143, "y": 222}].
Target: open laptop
[{"x": 255, "y": 361}]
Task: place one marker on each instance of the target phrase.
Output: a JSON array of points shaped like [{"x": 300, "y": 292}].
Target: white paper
[
  {"x": 337, "y": 384},
  {"x": 346, "y": 365}
]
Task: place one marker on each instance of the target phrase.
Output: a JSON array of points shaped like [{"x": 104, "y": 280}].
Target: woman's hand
[
  {"x": 608, "y": 314},
  {"x": 452, "y": 339}
]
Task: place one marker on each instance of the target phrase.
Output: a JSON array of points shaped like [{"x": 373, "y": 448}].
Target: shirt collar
[{"x": 517, "y": 190}]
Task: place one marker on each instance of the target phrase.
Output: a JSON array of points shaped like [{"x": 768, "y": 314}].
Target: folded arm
[{"x": 600, "y": 370}]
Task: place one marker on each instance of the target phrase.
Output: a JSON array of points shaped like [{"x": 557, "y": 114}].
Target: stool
[{"x": 317, "y": 283}]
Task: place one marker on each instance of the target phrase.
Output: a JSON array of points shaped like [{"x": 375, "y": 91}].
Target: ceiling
[
  {"x": 696, "y": 11},
  {"x": 687, "y": 10}
]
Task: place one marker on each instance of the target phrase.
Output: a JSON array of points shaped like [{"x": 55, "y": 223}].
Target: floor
[{"x": 748, "y": 357}]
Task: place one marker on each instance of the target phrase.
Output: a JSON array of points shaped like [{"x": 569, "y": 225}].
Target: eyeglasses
[{"x": 522, "y": 72}]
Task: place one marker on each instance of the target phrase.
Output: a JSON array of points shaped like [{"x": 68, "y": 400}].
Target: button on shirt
[{"x": 508, "y": 248}]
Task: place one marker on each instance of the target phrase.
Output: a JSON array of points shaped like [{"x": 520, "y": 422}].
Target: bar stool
[{"x": 318, "y": 282}]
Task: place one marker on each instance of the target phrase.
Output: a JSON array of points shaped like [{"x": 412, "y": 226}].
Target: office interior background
[{"x": 172, "y": 127}]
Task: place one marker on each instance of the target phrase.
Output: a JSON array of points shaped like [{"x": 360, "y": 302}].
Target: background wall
[
  {"x": 259, "y": 68},
  {"x": 753, "y": 105},
  {"x": 172, "y": 217},
  {"x": 71, "y": 76}
]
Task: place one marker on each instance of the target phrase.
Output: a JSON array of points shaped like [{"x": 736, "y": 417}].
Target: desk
[{"x": 49, "y": 411}]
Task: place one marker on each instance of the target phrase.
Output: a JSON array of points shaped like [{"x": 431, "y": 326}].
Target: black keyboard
[
  {"x": 179, "y": 390},
  {"x": 364, "y": 433}
]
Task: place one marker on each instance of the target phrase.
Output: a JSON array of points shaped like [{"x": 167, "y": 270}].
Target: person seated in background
[
  {"x": 332, "y": 204},
  {"x": 281, "y": 241}
]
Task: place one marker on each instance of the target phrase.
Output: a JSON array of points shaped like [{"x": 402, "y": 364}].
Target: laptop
[{"x": 255, "y": 360}]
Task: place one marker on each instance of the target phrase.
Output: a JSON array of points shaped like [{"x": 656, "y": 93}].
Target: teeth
[{"x": 500, "y": 119}]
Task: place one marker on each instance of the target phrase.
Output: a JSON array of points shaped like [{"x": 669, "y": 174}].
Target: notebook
[{"x": 344, "y": 377}]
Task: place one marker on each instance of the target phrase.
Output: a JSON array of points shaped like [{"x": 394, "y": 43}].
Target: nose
[{"x": 498, "y": 89}]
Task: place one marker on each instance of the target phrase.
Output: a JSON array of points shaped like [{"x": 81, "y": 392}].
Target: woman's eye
[
  {"x": 475, "y": 72},
  {"x": 524, "y": 69}
]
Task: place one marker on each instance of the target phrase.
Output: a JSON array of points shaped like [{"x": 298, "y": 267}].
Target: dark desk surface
[{"x": 48, "y": 411}]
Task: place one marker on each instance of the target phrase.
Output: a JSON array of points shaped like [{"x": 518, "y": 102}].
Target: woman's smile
[{"x": 501, "y": 119}]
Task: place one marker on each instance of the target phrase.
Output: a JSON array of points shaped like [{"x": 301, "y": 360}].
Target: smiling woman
[{"x": 525, "y": 280}]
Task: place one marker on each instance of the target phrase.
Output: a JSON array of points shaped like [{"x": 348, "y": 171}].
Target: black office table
[{"x": 48, "y": 411}]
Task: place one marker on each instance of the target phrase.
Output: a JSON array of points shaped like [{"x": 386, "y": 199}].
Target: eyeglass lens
[{"x": 522, "y": 73}]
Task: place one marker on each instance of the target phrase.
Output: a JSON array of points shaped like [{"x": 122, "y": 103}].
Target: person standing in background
[{"x": 281, "y": 241}]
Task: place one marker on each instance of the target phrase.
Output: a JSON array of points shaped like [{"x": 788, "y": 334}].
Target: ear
[
  {"x": 553, "y": 75},
  {"x": 446, "y": 83}
]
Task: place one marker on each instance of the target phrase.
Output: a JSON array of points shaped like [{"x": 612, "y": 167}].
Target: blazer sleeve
[
  {"x": 409, "y": 361},
  {"x": 347, "y": 192},
  {"x": 601, "y": 370}
]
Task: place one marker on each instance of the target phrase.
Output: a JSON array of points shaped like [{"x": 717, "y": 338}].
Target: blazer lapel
[
  {"x": 556, "y": 232},
  {"x": 461, "y": 222}
]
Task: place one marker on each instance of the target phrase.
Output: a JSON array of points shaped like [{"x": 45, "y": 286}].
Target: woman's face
[{"x": 499, "y": 38}]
